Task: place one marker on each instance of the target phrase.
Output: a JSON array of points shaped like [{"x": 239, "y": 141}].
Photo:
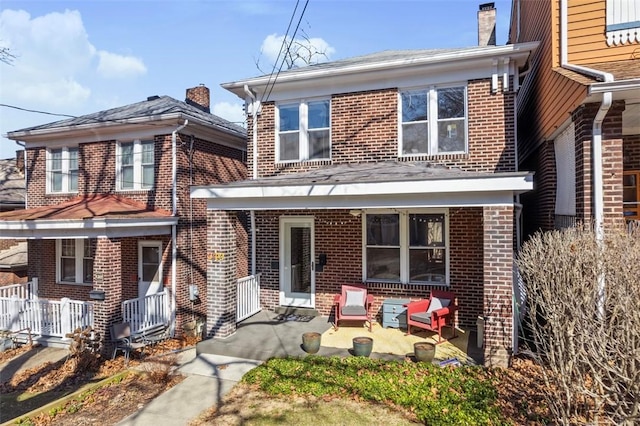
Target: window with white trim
[
  {"x": 62, "y": 170},
  {"x": 75, "y": 260},
  {"x": 136, "y": 165},
  {"x": 433, "y": 121},
  {"x": 407, "y": 247},
  {"x": 304, "y": 131},
  {"x": 623, "y": 22}
]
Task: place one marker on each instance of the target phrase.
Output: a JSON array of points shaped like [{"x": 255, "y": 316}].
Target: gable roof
[
  {"x": 12, "y": 185},
  {"x": 154, "y": 109}
]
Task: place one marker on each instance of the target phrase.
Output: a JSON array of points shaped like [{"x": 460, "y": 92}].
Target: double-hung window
[
  {"x": 434, "y": 121},
  {"x": 407, "y": 247},
  {"x": 136, "y": 165},
  {"x": 75, "y": 260},
  {"x": 62, "y": 170},
  {"x": 304, "y": 131}
]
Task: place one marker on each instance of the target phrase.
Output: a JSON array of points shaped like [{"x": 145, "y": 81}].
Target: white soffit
[{"x": 48, "y": 229}]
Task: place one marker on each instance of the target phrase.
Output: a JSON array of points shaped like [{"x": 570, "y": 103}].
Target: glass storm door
[
  {"x": 297, "y": 277},
  {"x": 149, "y": 268}
]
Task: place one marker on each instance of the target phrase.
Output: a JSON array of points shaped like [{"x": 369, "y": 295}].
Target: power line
[{"x": 37, "y": 112}]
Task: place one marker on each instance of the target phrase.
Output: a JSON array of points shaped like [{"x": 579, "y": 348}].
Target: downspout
[
  {"x": 174, "y": 210},
  {"x": 254, "y": 174},
  {"x": 598, "y": 197}
]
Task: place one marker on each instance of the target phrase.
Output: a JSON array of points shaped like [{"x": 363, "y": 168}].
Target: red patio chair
[
  {"x": 353, "y": 304},
  {"x": 434, "y": 313}
]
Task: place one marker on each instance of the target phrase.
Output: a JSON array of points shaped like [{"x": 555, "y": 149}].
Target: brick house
[
  {"x": 579, "y": 111},
  {"x": 108, "y": 209},
  {"x": 396, "y": 169}
]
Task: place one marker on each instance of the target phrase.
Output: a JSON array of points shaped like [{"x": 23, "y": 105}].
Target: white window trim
[
  {"x": 79, "y": 259},
  {"x": 303, "y": 131},
  {"x": 404, "y": 245},
  {"x": 137, "y": 166},
  {"x": 432, "y": 119},
  {"x": 66, "y": 161}
]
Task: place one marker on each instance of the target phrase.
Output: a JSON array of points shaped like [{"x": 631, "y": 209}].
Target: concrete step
[{"x": 291, "y": 310}]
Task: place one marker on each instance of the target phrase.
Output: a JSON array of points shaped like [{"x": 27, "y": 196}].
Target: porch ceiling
[
  {"x": 85, "y": 217},
  {"x": 369, "y": 185}
]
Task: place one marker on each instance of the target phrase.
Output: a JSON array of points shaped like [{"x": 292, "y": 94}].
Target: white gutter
[
  {"x": 174, "y": 209},
  {"x": 254, "y": 174},
  {"x": 598, "y": 197}
]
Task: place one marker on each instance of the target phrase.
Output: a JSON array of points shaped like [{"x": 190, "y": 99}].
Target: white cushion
[
  {"x": 437, "y": 303},
  {"x": 354, "y": 298}
]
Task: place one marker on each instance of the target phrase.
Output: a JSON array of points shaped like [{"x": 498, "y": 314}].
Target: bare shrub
[
  {"x": 161, "y": 369},
  {"x": 588, "y": 342}
]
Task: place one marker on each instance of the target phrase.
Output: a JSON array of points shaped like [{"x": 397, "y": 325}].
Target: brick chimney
[
  {"x": 487, "y": 25},
  {"x": 199, "y": 97},
  {"x": 20, "y": 160}
]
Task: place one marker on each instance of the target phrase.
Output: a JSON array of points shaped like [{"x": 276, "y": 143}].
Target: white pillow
[
  {"x": 355, "y": 298},
  {"x": 437, "y": 303}
]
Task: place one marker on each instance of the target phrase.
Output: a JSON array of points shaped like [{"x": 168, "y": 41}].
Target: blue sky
[{"x": 79, "y": 57}]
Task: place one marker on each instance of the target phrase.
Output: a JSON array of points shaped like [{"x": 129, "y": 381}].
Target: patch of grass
[{"x": 437, "y": 396}]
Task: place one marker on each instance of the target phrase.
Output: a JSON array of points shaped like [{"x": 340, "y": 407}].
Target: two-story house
[
  {"x": 579, "y": 111},
  {"x": 396, "y": 169},
  {"x": 109, "y": 219}
]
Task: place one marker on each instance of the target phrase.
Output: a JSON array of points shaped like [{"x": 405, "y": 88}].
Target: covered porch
[
  {"x": 401, "y": 229},
  {"x": 98, "y": 260}
]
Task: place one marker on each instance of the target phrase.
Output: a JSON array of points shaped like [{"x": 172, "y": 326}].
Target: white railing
[
  {"x": 22, "y": 291},
  {"x": 248, "y": 297},
  {"x": 147, "y": 312},
  {"x": 45, "y": 317}
]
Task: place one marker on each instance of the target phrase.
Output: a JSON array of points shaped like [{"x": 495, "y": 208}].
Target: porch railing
[
  {"x": 248, "y": 297},
  {"x": 22, "y": 291},
  {"x": 45, "y": 317},
  {"x": 147, "y": 312}
]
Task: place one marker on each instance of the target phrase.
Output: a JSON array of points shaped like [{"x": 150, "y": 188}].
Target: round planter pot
[
  {"x": 424, "y": 351},
  {"x": 362, "y": 346},
  {"x": 311, "y": 342}
]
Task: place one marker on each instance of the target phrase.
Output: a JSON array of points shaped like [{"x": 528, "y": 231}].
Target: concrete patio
[{"x": 268, "y": 334}]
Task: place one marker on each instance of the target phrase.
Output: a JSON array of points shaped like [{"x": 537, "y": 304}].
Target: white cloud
[
  {"x": 231, "y": 112},
  {"x": 112, "y": 65},
  {"x": 304, "y": 51}
]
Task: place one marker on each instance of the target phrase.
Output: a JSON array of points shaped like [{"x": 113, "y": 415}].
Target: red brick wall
[
  {"x": 13, "y": 277},
  {"x": 339, "y": 235},
  {"x": 364, "y": 128},
  {"x": 498, "y": 280},
  {"x": 539, "y": 205},
  {"x": 199, "y": 162}
]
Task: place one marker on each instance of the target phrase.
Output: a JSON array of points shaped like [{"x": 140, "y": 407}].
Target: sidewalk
[{"x": 209, "y": 378}]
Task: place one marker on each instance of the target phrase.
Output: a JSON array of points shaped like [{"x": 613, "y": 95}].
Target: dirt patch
[{"x": 32, "y": 388}]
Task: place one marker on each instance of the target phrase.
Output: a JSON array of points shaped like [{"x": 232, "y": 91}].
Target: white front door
[
  {"x": 149, "y": 268},
  {"x": 297, "y": 275}
]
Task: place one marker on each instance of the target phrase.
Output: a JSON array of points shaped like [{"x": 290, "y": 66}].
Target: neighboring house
[
  {"x": 579, "y": 111},
  {"x": 396, "y": 169},
  {"x": 109, "y": 214},
  {"x": 13, "y": 253}
]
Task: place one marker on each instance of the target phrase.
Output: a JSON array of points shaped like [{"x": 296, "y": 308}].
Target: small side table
[{"x": 394, "y": 314}]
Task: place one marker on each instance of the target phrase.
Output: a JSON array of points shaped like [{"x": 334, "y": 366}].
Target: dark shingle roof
[{"x": 153, "y": 107}]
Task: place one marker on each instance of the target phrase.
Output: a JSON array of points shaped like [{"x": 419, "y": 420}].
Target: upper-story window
[
  {"x": 136, "y": 164},
  {"x": 304, "y": 131},
  {"x": 623, "y": 22},
  {"x": 434, "y": 121},
  {"x": 62, "y": 170}
]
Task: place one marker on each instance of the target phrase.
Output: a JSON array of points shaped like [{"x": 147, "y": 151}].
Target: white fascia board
[
  {"x": 519, "y": 183},
  {"x": 456, "y": 59},
  {"x": 397, "y": 201},
  {"x": 31, "y": 229}
]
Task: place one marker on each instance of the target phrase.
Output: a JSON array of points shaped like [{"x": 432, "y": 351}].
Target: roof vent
[{"x": 153, "y": 98}]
